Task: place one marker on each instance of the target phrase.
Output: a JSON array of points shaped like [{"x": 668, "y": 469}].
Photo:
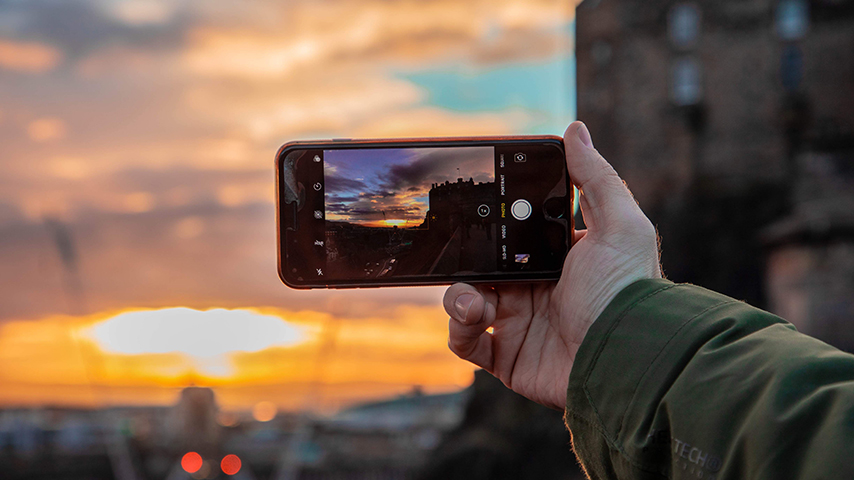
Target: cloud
[
  {"x": 339, "y": 183},
  {"x": 9, "y": 213},
  {"x": 82, "y": 26},
  {"x": 71, "y": 187},
  {"x": 28, "y": 57},
  {"x": 376, "y": 195},
  {"x": 438, "y": 165},
  {"x": 392, "y": 211},
  {"x": 334, "y": 98},
  {"x": 121, "y": 61},
  {"x": 397, "y": 33},
  {"x": 142, "y": 12},
  {"x": 46, "y": 129}
]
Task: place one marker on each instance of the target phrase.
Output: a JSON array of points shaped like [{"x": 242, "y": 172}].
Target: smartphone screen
[{"x": 426, "y": 214}]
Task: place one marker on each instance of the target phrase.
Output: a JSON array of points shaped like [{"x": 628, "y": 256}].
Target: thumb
[{"x": 606, "y": 202}]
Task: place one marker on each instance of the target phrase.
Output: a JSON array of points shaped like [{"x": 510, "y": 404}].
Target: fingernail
[
  {"x": 462, "y": 305},
  {"x": 584, "y": 135}
]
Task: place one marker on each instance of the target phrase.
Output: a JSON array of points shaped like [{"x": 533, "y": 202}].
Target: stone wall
[{"x": 721, "y": 118}]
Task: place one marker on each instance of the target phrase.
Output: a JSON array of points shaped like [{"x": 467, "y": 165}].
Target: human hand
[{"x": 538, "y": 327}]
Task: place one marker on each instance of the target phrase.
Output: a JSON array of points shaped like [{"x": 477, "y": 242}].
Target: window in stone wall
[
  {"x": 685, "y": 84},
  {"x": 683, "y": 25},
  {"x": 792, "y": 19}
]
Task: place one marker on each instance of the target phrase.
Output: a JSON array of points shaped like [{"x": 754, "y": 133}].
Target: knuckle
[
  {"x": 459, "y": 348},
  {"x": 452, "y": 346}
]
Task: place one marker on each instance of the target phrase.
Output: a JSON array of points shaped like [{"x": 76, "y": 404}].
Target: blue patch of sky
[{"x": 544, "y": 89}]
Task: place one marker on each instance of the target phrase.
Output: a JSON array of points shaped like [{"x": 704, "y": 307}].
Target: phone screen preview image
[{"x": 433, "y": 212}]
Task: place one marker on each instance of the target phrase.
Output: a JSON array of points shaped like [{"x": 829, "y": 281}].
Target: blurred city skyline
[{"x": 136, "y": 151}]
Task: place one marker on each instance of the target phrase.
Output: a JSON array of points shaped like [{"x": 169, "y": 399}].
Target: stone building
[
  {"x": 192, "y": 424},
  {"x": 454, "y": 204},
  {"x": 732, "y": 123}
]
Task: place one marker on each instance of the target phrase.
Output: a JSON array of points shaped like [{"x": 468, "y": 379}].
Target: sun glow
[
  {"x": 196, "y": 333},
  {"x": 392, "y": 223},
  {"x": 395, "y": 223},
  {"x": 143, "y": 356}
]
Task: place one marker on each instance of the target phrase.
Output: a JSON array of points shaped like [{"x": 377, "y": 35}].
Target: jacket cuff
[{"x": 620, "y": 349}]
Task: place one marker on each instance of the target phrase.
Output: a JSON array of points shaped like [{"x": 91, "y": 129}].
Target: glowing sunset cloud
[{"x": 27, "y": 57}]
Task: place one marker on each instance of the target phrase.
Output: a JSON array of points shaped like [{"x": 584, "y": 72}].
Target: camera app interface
[{"x": 444, "y": 211}]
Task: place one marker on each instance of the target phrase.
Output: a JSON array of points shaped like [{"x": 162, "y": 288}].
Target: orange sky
[
  {"x": 139, "y": 144},
  {"x": 248, "y": 355}
]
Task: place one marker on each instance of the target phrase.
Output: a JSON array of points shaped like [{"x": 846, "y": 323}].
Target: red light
[
  {"x": 191, "y": 462},
  {"x": 230, "y": 464}
]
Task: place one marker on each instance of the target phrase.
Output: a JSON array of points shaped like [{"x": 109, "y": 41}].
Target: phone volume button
[{"x": 342, "y": 139}]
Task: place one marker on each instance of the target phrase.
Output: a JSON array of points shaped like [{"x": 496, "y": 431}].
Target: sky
[
  {"x": 137, "y": 140},
  {"x": 385, "y": 186}
]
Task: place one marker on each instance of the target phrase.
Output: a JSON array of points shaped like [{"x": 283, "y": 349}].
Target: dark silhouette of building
[
  {"x": 454, "y": 204},
  {"x": 504, "y": 436},
  {"x": 732, "y": 123},
  {"x": 462, "y": 216}
]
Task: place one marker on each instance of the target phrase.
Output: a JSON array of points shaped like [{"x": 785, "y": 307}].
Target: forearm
[{"x": 674, "y": 381}]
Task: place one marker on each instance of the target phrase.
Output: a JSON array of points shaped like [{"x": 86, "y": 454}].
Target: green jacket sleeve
[{"x": 675, "y": 381}]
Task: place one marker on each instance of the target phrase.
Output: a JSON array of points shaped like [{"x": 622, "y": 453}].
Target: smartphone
[{"x": 434, "y": 211}]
